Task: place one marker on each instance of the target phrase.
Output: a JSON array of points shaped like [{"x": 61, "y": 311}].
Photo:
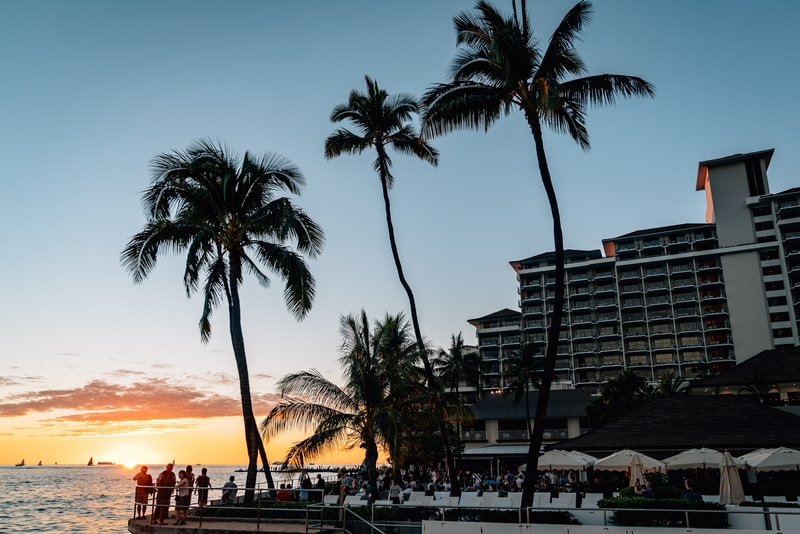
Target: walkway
[{"x": 143, "y": 526}]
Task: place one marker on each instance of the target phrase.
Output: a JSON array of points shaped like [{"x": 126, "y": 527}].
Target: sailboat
[
  {"x": 21, "y": 464},
  {"x": 40, "y": 463},
  {"x": 91, "y": 463}
]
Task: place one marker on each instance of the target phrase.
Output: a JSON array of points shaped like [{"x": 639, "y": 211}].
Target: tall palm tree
[
  {"x": 459, "y": 362},
  {"x": 524, "y": 370},
  {"x": 499, "y": 68},
  {"x": 380, "y": 378},
  {"x": 382, "y": 122},
  {"x": 224, "y": 213}
]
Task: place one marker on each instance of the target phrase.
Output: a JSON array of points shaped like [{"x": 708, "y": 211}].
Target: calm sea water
[{"x": 85, "y": 499}]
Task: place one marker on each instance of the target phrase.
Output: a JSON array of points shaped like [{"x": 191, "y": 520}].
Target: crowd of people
[
  {"x": 166, "y": 484},
  {"x": 391, "y": 487}
]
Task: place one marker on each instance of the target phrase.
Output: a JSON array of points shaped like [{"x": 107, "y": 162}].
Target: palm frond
[
  {"x": 461, "y": 105},
  {"x": 343, "y": 141},
  {"x": 604, "y": 88}
]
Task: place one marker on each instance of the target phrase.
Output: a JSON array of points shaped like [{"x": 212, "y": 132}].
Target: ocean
[{"x": 97, "y": 499}]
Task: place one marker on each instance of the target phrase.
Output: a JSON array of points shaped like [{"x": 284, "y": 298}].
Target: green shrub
[
  {"x": 657, "y": 478},
  {"x": 676, "y": 519},
  {"x": 627, "y": 491},
  {"x": 416, "y": 514},
  {"x": 668, "y": 492}
]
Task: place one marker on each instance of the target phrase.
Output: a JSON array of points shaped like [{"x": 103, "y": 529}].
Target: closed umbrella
[
  {"x": 730, "y": 485},
  {"x": 637, "y": 470},
  {"x": 621, "y": 461}
]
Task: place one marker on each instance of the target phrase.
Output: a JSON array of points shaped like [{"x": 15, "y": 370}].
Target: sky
[{"x": 90, "y": 92}]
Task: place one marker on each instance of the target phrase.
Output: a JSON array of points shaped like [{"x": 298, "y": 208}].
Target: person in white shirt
[
  {"x": 182, "y": 498},
  {"x": 229, "y": 491}
]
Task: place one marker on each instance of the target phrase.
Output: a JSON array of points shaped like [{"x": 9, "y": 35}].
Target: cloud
[
  {"x": 19, "y": 380},
  {"x": 68, "y": 354},
  {"x": 162, "y": 366},
  {"x": 6, "y": 434},
  {"x": 263, "y": 376},
  {"x": 100, "y": 402},
  {"x": 125, "y": 373},
  {"x": 218, "y": 378}
]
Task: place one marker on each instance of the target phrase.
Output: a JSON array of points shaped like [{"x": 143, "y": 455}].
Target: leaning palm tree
[
  {"x": 499, "y": 68},
  {"x": 382, "y": 122},
  {"x": 380, "y": 378},
  {"x": 225, "y": 213}
]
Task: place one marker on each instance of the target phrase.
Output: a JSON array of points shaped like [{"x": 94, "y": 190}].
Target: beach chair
[
  {"x": 774, "y": 498},
  {"x": 488, "y": 499},
  {"x": 331, "y": 500},
  {"x": 416, "y": 496},
  {"x": 354, "y": 500},
  {"x": 516, "y": 499},
  {"x": 448, "y": 501},
  {"x": 383, "y": 503},
  {"x": 504, "y": 502},
  {"x": 540, "y": 500},
  {"x": 558, "y": 503},
  {"x": 589, "y": 503},
  {"x": 426, "y": 500},
  {"x": 470, "y": 501},
  {"x": 572, "y": 498},
  {"x": 441, "y": 495},
  {"x": 748, "y": 498},
  {"x": 595, "y": 496},
  {"x": 711, "y": 498}
]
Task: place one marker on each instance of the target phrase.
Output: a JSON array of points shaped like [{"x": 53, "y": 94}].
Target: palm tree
[
  {"x": 618, "y": 396},
  {"x": 524, "y": 370},
  {"x": 672, "y": 385},
  {"x": 760, "y": 385},
  {"x": 459, "y": 362},
  {"x": 380, "y": 379},
  {"x": 224, "y": 213},
  {"x": 382, "y": 121},
  {"x": 498, "y": 68}
]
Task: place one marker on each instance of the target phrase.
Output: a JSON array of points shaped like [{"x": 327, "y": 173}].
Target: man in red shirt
[{"x": 166, "y": 484}]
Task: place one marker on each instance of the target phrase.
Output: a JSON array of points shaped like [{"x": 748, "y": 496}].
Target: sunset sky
[{"x": 92, "y": 365}]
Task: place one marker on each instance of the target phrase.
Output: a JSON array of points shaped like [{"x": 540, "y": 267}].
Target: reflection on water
[{"x": 87, "y": 499}]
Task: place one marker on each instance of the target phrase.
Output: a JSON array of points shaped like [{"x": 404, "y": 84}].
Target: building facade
[{"x": 680, "y": 299}]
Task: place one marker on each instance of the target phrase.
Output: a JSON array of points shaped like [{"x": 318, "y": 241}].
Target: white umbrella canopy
[
  {"x": 621, "y": 461},
  {"x": 558, "y": 459},
  {"x": 730, "y": 485},
  {"x": 779, "y": 459},
  {"x": 637, "y": 470},
  {"x": 697, "y": 459}
]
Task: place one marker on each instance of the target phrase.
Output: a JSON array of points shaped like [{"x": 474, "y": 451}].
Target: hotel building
[{"x": 667, "y": 299}]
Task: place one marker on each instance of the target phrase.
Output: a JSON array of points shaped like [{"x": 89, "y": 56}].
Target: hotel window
[
  {"x": 690, "y": 341},
  {"x": 664, "y": 358},
  {"x": 637, "y": 345},
  {"x": 774, "y": 286},
  {"x": 635, "y": 331},
  {"x": 608, "y": 330},
  {"x": 769, "y": 255},
  {"x": 663, "y": 343},
  {"x": 755, "y": 179},
  {"x": 583, "y": 332},
  {"x": 692, "y": 356},
  {"x": 664, "y": 328}
]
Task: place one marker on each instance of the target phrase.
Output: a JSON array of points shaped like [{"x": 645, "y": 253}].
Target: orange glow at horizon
[{"x": 208, "y": 441}]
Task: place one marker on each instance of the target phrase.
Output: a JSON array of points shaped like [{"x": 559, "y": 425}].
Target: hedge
[
  {"x": 397, "y": 514},
  {"x": 664, "y": 492},
  {"x": 676, "y": 519}
]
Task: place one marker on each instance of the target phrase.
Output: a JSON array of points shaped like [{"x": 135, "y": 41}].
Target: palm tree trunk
[
  {"x": 372, "y": 470},
  {"x": 252, "y": 436},
  {"x": 555, "y": 324},
  {"x": 432, "y": 385}
]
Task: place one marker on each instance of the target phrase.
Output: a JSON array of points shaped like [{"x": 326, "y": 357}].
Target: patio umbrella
[
  {"x": 621, "y": 461},
  {"x": 697, "y": 459},
  {"x": 780, "y": 459},
  {"x": 730, "y": 485},
  {"x": 637, "y": 470},
  {"x": 558, "y": 459}
]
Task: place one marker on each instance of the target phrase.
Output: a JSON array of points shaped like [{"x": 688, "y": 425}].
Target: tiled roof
[
  {"x": 778, "y": 365},
  {"x": 667, "y": 425},
  {"x": 660, "y": 230},
  {"x": 502, "y": 314},
  {"x": 595, "y": 254},
  {"x": 563, "y": 403}
]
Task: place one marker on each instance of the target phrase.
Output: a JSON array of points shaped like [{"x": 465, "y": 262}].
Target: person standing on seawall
[
  {"x": 166, "y": 484},
  {"x": 143, "y": 481},
  {"x": 203, "y": 482}
]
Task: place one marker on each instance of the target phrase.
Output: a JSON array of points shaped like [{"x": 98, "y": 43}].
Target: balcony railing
[
  {"x": 473, "y": 435},
  {"x": 512, "y": 435},
  {"x": 558, "y": 433}
]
